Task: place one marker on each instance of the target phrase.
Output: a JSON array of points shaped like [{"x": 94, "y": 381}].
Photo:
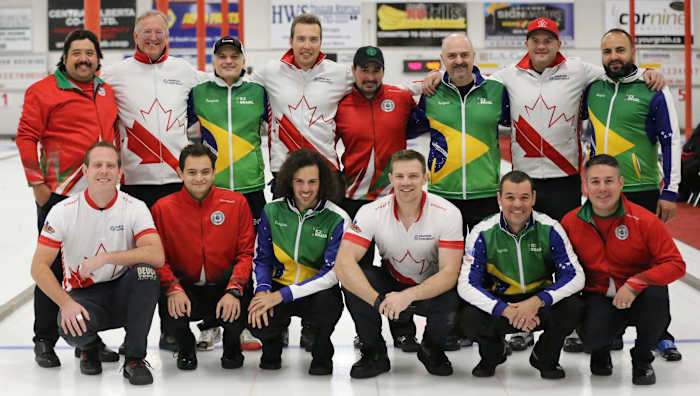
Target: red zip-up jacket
[
  {"x": 638, "y": 251},
  {"x": 208, "y": 242},
  {"x": 66, "y": 121},
  {"x": 372, "y": 130}
]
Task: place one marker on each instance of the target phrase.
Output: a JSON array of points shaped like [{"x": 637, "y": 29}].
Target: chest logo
[
  {"x": 423, "y": 237},
  {"x": 356, "y": 227},
  {"x": 600, "y": 95},
  {"x": 622, "y": 232},
  {"x": 217, "y": 218},
  {"x": 388, "y": 105},
  {"x": 244, "y": 101},
  {"x": 117, "y": 228},
  {"x": 535, "y": 248},
  {"x": 211, "y": 100},
  {"x": 485, "y": 101},
  {"x": 318, "y": 233},
  {"x": 632, "y": 98},
  {"x": 101, "y": 91}
]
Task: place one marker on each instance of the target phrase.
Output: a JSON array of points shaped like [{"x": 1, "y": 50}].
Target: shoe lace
[{"x": 133, "y": 363}]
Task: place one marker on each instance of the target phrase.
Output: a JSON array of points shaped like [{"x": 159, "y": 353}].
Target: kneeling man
[
  {"x": 629, "y": 258},
  {"x": 110, "y": 248},
  {"x": 419, "y": 237},
  {"x": 507, "y": 280}
]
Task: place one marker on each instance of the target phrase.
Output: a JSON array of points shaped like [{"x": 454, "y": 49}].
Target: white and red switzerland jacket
[
  {"x": 544, "y": 111},
  {"x": 152, "y": 102}
]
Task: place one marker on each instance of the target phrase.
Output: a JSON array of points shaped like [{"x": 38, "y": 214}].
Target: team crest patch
[
  {"x": 355, "y": 227},
  {"x": 217, "y": 218},
  {"x": 388, "y": 105},
  {"x": 101, "y": 91},
  {"x": 47, "y": 227},
  {"x": 622, "y": 232}
]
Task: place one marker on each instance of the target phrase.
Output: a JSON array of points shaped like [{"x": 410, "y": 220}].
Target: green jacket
[{"x": 230, "y": 120}]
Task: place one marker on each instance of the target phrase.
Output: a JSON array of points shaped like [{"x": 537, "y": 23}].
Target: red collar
[
  {"x": 525, "y": 63},
  {"x": 143, "y": 58},
  {"x": 379, "y": 94},
  {"x": 422, "y": 205},
  {"x": 95, "y": 206},
  {"x": 288, "y": 58},
  {"x": 185, "y": 195}
]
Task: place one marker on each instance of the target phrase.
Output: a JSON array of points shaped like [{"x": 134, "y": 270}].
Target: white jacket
[
  {"x": 544, "y": 110},
  {"x": 152, "y": 102},
  {"x": 303, "y": 105}
]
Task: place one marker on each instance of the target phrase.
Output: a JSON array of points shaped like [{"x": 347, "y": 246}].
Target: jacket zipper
[
  {"x": 607, "y": 122},
  {"x": 230, "y": 140},
  {"x": 296, "y": 246}
]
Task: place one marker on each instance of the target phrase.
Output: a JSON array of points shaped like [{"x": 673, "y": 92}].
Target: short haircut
[
  {"x": 620, "y": 31},
  {"x": 307, "y": 19},
  {"x": 149, "y": 14},
  {"x": 79, "y": 34},
  {"x": 515, "y": 177},
  {"x": 407, "y": 155},
  {"x": 299, "y": 159},
  {"x": 603, "y": 159},
  {"x": 196, "y": 150},
  {"x": 106, "y": 145}
]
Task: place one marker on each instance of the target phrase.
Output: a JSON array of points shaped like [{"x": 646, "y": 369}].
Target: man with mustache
[
  {"x": 643, "y": 120},
  {"x": 64, "y": 113}
]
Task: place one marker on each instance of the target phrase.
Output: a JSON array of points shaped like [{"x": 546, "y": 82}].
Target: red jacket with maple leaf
[
  {"x": 207, "y": 242},
  {"x": 152, "y": 100},
  {"x": 544, "y": 110},
  {"x": 66, "y": 121}
]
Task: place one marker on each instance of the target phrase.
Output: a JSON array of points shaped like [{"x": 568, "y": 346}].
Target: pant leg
[
  {"x": 557, "y": 196},
  {"x": 271, "y": 335},
  {"x": 557, "y": 321},
  {"x": 487, "y": 330},
  {"x": 233, "y": 330},
  {"x": 439, "y": 311},
  {"x": 180, "y": 327},
  {"x": 323, "y": 309},
  {"x": 649, "y": 314},
  {"x": 96, "y": 300},
  {"x": 601, "y": 322}
]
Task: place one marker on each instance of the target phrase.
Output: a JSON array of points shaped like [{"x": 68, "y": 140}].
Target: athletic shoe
[
  {"x": 167, "y": 342},
  {"x": 137, "y": 372},
  {"x": 233, "y": 361},
  {"x": 187, "y": 360},
  {"x": 484, "y": 369},
  {"x": 617, "y": 344},
  {"x": 435, "y": 361},
  {"x": 270, "y": 364},
  {"x": 106, "y": 355},
  {"x": 601, "y": 363},
  {"x": 667, "y": 349},
  {"x": 643, "y": 373},
  {"x": 573, "y": 344},
  {"x": 90, "y": 362},
  {"x": 248, "y": 342},
  {"x": 408, "y": 344},
  {"x": 44, "y": 354},
  {"x": 321, "y": 367},
  {"x": 521, "y": 341},
  {"x": 371, "y": 364},
  {"x": 208, "y": 338},
  {"x": 547, "y": 371}
]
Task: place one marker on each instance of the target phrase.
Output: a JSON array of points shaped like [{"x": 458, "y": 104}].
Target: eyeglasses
[{"x": 157, "y": 33}]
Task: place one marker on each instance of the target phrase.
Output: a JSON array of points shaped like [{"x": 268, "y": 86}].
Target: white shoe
[
  {"x": 209, "y": 338},
  {"x": 248, "y": 342}
]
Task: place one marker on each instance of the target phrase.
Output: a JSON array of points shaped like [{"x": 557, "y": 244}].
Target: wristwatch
[{"x": 235, "y": 292}]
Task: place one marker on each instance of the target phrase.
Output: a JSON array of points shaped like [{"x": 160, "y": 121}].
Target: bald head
[{"x": 458, "y": 57}]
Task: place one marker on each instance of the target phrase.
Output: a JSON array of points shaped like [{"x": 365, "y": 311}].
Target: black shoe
[
  {"x": 465, "y": 342},
  {"x": 407, "y": 344},
  {"x": 167, "y": 342},
  {"x": 667, "y": 349},
  {"x": 573, "y": 344},
  {"x": 321, "y": 367},
  {"x": 90, "y": 362},
  {"x": 617, "y": 344},
  {"x": 106, "y": 355},
  {"x": 452, "y": 343},
  {"x": 233, "y": 361},
  {"x": 484, "y": 369},
  {"x": 509, "y": 351},
  {"x": 435, "y": 361},
  {"x": 547, "y": 371},
  {"x": 44, "y": 354},
  {"x": 357, "y": 343},
  {"x": 601, "y": 363},
  {"x": 136, "y": 370},
  {"x": 187, "y": 360},
  {"x": 285, "y": 337},
  {"x": 270, "y": 364},
  {"x": 643, "y": 373},
  {"x": 371, "y": 364},
  {"x": 306, "y": 340},
  {"x": 122, "y": 348},
  {"x": 521, "y": 341}
]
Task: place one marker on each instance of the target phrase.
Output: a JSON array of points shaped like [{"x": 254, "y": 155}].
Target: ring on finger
[{"x": 79, "y": 317}]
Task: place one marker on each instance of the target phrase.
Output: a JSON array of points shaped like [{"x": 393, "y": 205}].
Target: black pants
[
  {"x": 203, "y": 301},
  {"x": 128, "y": 301},
  {"x": 322, "y": 311},
  {"x": 256, "y": 202},
  {"x": 352, "y": 206},
  {"x": 440, "y": 312},
  {"x": 475, "y": 210},
  {"x": 557, "y": 196},
  {"x": 649, "y": 314},
  {"x": 557, "y": 321},
  {"x": 45, "y": 310}
]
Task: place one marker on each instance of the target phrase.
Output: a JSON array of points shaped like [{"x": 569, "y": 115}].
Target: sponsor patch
[
  {"x": 535, "y": 248},
  {"x": 119, "y": 227},
  {"x": 211, "y": 100},
  {"x": 423, "y": 237},
  {"x": 322, "y": 79},
  {"x": 101, "y": 91},
  {"x": 559, "y": 77},
  {"x": 217, "y": 218},
  {"x": 355, "y": 227},
  {"x": 280, "y": 224},
  {"x": 318, "y": 233},
  {"x": 172, "y": 81},
  {"x": 388, "y": 105},
  {"x": 622, "y": 232},
  {"x": 47, "y": 227},
  {"x": 485, "y": 101},
  {"x": 146, "y": 273},
  {"x": 245, "y": 101}
]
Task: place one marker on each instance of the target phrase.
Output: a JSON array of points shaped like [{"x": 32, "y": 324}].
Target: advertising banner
[
  {"x": 656, "y": 22},
  {"x": 671, "y": 64},
  {"x": 182, "y": 22},
  {"x": 506, "y": 23},
  {"x": 341, "y": 23},
  {"x": 117, "y": 19},
  {"x": 419, "y": 24},
  {"x": 15, "y": 29},
  {"x": 18, "y": 72}
]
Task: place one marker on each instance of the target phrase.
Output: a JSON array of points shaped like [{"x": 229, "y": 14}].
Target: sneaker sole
[
  {"x": 145, "y": 381},
  {"x": 383, "y": 370},
  {"x": 439, "y": 373}
]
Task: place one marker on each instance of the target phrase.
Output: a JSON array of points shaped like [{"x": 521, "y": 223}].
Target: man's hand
[
  {"x": 431, "y": 82},
  {"x": 624, "y": 298},
  {"x": 394, "y": 304},
  {"x": 526, "y": 314},
  {"x": 179, "y": 305},
  {"x": 665, "y": 210},
  {"x": 42, "y": 193},
  {"x": 229, "y": 308},
  {"x": 90, "y": 265},
  {"x": 73, "y": 317},
  {"x": 262, "y": 304},
  {"x": 654, "y": 79}
]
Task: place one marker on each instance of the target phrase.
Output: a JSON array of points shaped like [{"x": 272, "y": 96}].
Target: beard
[{"x": 625, "y": 70}]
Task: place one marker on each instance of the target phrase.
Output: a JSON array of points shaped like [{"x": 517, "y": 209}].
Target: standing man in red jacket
[
  {"x": 629, "y": 259},
  {"x": 63, "y": 115},
  {"x": 209, "y": 238}
]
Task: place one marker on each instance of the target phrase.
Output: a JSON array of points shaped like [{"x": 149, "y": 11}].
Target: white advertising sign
[
  {"x": 342, "y": 27},
  {"x": 657, "y": 22},
  {"x": 15, "y": 29},
  {"x": 19, "y": 72},
  {"x": 671, "y": 64}
]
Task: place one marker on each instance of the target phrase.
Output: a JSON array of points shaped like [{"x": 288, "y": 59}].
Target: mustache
[{"x": 78, "y": 64}]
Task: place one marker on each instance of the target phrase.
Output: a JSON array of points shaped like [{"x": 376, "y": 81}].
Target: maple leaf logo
[
  {"x": 144, "y": 144},
  {"x": 536, "y": 108},
  {"x": 395, "y": 262},
  {"x": 307, "y": 113}
]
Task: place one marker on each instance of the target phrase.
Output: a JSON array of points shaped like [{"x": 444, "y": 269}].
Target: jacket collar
[
  {"x": 585, "y": 213},
  {"x": 635, "y": 75},
  {"x": 478, "y": 78},
  {"x": 311, "y": 212},
  {"x": 64, "y": 82},
  {"x": 525, "y": 63},
  {"x": 220, "y": 82},
  {"x": 504, "y": 223},
  {"x": 288, "y": 58},
  {"x": 143, "y": 58},
  {"x": 95, "y": 206},
  {"x": 187, "y": 198}
]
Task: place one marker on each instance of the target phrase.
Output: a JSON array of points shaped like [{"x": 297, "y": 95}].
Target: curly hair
[
  {"x": 299, "y": 159},
  {"x": 79, "y": 34}
]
